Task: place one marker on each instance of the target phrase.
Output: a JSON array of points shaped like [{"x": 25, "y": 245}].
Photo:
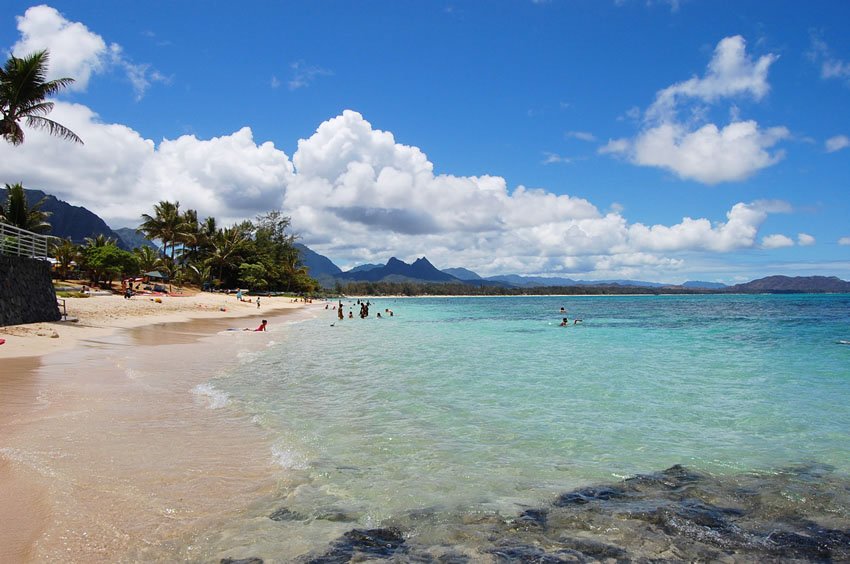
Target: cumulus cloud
[
  {"x": 776, "y": 241},
  {"x": 844, "y": 241},
  {"x": 706, "y": 152},
  {"x": 837, "y": 143},
  {"x": 731, "y": 72},
  {"x": 805, "y": 240},
  {"x": 119, "y": 175},
  {"x": 76, "y": 51},
  {"x": 357, "y": 195},
  {"x": 709, "y": 155}
]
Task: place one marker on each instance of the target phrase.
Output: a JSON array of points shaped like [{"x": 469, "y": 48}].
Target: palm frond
[{"x": 53, "y": 128}]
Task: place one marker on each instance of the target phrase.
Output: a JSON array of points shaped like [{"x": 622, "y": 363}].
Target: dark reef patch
[
  {"x": 799, "y": 514},
  {"x": 360, "y": 544}
]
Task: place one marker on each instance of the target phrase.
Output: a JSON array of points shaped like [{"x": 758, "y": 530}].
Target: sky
[{"x": 660, "y": 140}]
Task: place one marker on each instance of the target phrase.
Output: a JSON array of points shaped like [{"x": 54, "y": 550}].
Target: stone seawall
[{"x": 26, "y": 291}]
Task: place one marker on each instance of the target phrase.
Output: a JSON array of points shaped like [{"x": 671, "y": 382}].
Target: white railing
[{"x": 23, "y": 243}]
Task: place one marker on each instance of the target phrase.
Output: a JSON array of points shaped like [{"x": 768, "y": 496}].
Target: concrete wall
[{"x": 26, "y": 291}]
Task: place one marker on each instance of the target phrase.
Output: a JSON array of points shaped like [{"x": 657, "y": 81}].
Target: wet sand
[{"x": 107, "y": 454}]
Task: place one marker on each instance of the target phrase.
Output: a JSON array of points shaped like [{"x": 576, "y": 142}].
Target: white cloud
[
  {"x": 357, "y": 195},
  {"x": 805, "y": 240},
  {"x": 844, "y": 241},
  {"x": 76, "y": 52},
  {"x": 120, "y": 175},
  {"x": 776, "y": 241},
  {"x": 554, "y": 158},
  {"x": 837, "y": 143},
  {"x": 706, "y": 152},
  {"x": 730, "y": 73},
  {"x": 830, "y": 66},
  {"x": 709, "y": 155},
  {"x": 303, "y": 74},
  {"x": 581, "y": 135}
]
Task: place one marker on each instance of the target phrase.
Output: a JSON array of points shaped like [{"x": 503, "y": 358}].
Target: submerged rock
[
  {"x": 587, "y": 495},
  {"x": 284, "y": 514},
  {"x": 372, "y": 543},
  {"x": 674, "y": 515}
]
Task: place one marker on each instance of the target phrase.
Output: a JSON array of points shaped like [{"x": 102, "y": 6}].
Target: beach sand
[
  {"x": 99, "y": 316},
  {"x": 104, "y": 455}
]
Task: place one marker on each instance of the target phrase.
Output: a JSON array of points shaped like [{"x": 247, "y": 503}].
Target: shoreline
[
  {"x": 96, "y": 410},
  {"x": 102, "y": 316}
]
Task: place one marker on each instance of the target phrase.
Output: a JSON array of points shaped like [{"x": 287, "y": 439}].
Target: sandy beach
[
  {"x": 103, "y": 451},
  {"x": 98, "y": 316}
]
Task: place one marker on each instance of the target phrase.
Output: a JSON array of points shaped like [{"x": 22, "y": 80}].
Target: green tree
[
  {"x": 99, "y": 240},
  {"x": 227, "y": 246},
  {"x": 66, "y": 253},
  {"x": 23, "y": 94},
  {"x": 16, "y": 211},
  {"x": 166, "y": 224},
  {"x": 253, "y": 276},
  {"x": 148, "y": 258},
  {"x": 108, "y": 262}
]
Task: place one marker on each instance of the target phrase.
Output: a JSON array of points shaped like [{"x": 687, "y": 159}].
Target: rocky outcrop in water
[
  {"x": 678, "y": 515},
  {"x": 361, "y": 544}
]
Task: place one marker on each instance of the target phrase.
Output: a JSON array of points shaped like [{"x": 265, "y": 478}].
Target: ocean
[{"x": 465, "y": 429}]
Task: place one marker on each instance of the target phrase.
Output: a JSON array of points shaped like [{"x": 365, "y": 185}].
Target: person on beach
[
  {"x": 262, "y": 326},
  {"x": 238, "y": 294},
  {"x": 258, "y": 302}
]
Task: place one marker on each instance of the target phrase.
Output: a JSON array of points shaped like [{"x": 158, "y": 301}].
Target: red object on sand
[{"x": 2, "y": 341}]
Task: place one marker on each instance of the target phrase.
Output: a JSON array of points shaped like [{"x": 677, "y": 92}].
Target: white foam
[
  {"x": 214, "y": 398},
  {"x": 287, "y": 458},
  {"x": 247, "y": 357}
]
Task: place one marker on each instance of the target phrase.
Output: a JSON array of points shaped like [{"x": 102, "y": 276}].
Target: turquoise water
[{"x": 469, "y": 403}]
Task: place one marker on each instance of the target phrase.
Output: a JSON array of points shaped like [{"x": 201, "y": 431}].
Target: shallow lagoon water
[{"x": 459, "y": 407}]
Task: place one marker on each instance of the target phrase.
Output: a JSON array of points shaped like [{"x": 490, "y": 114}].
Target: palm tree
[
  {"x": 192, "y": 236},
  {"x": 227, "y": 245},
  {"x": 99, "y": 240},
  {"x": 65, "y": 253},
  {"x": 167, "y": 225},
  {"x": 23, "y": 90},
  {"x": 16, "y": 211},
  {"x": 148, "y": 258}
]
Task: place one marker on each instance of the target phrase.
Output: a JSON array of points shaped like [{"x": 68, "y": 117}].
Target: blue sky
[{"x": 660, "y": 140}]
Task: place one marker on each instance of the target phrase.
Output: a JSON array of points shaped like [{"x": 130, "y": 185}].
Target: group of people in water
[
  {"x": 565, "y": 322},
  {"x": 364, "y": 310}
]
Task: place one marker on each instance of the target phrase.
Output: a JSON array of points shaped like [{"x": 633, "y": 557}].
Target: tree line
[
  {"x": 259, "y": 254},
  {"x": 412, "y": 288}
]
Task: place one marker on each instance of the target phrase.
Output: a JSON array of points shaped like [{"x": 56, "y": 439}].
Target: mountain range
[
  {"x": 77, "y": 223},
  {"x": 72, "y": 222}
]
